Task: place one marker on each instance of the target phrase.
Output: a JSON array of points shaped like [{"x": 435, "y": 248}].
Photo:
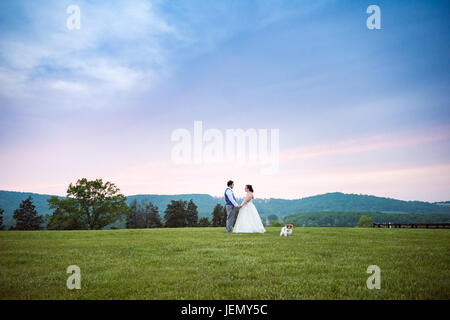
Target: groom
[{"x": 231, "y": 205}]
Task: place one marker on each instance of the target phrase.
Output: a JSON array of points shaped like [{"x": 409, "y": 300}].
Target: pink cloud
[
  {"x": 364, "y": 144},
  {"x": 295, "y": 179}
]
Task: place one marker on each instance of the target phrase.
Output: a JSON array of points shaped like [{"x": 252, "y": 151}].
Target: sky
[{"x": 358, "y": 110}]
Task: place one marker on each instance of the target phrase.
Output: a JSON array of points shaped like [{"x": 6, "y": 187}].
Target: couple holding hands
[{"x": 248, "y": 220}]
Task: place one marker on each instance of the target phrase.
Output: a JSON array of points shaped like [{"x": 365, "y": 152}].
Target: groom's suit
[{"x": 230, "y": 206}]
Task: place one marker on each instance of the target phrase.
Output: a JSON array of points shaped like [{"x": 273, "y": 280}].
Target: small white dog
[{"x": 286, "y": 230}]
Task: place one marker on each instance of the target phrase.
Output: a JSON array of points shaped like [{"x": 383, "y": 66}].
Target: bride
[{"x": 248, "y": 220}]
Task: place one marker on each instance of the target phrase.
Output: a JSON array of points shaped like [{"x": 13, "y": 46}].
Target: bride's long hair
[{"x": 249, "y": 187}]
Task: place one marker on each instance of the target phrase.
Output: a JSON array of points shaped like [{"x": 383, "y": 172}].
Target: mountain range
[{"x": 332, "y": 202}]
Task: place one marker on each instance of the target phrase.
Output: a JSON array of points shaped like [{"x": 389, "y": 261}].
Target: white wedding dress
[{"x": 248, "y": 220}]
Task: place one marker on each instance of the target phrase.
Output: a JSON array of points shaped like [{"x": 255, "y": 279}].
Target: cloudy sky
[{"x": 358, "y": 110}]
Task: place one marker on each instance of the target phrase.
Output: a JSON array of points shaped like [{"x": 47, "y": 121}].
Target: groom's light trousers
[{"x": 230, "y": 217}]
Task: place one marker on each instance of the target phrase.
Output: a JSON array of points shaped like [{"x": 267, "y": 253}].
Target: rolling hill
[{"x": 332, "y": 202}]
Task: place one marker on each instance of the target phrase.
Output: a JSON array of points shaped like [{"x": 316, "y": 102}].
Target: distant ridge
[{"x": 335, "y": 202}]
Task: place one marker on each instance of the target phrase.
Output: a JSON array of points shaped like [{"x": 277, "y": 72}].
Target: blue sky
[{"x": 359, "y": 110}]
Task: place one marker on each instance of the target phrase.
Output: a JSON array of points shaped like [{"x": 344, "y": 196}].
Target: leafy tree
[
  {"x": 92, "y": 203},
  {"x": 2, "y": 227},
  {"x": 365, "y": 222},
  {"x": 67, "y": 215},
  {"x": 27, "y": 217},
  {"x": 276, "y": 223},
  {"x": 63, "y": 220},
  {"x": 153, "y": 219},
  {"x": 204, "y": 222},
  {"x": 192, "y": 214},
  {"x": 219, "y": 216},
  {"x": 175, "y": 214}
]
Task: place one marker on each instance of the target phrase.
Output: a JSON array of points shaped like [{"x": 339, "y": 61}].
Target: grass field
[{"x": 207, "y": 263}]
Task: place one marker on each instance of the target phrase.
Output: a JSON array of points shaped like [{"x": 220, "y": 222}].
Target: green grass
[{"x": 207, "y": 263}]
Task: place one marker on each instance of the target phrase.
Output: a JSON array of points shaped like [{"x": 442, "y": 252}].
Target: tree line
[
  {"x": 178, "y": 214},
  {"x": 96, "y": 204},
  {"x": 361, "y": 219}
]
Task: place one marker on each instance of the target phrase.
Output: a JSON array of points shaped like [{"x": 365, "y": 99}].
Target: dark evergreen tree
[
  {"x": 2, "y": 227},
  {"x": 143, "y": 215},
  {"x": 192, "y": 214},
  {"x": 27, "y": 217},
  {"x": 175, "y": 214},
  {"x": 153, "y": 220},
  {"x": 204, "y": 222},
  {"x": 219, "y": 216},
  {"x": 132, "y": 216}
]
